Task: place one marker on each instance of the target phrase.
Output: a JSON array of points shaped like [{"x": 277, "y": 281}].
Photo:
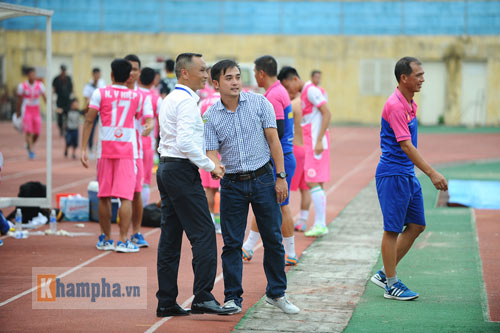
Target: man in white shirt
[{"x": 184, "y": 205}]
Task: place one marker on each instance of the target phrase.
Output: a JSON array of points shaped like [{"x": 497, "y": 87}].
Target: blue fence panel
[{"x": 267, "y": 17}]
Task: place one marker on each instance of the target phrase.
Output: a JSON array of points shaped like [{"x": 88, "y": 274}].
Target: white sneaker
[
  {"x": 126, "y": 247},
  {"x": 232, "y": 304},
  {"x": 284, "y": 304}
]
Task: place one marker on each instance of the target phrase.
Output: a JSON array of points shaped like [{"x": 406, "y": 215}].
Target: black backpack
[{"x": 30, "y": 190}]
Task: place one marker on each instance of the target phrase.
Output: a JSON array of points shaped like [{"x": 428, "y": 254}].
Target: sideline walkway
[
  {"x": 331, "y": 277},
  {"x": 332, "y": 280}
]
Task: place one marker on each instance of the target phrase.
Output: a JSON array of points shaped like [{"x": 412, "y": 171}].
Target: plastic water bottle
[
  {"x": 19, "y": 220},
  {"x": 53, "y": 221}
]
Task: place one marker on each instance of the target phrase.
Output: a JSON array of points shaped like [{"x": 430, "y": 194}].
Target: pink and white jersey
[
  {"x": 209, "y": 101},
  {"x": 145, "y": 112},
  {"x": 311, "y": 100},
  {"x": 117, "y": 106},
  {"x": 30, "y": 93},
  {"x": 206, "y": 92},
  {"x": 151, "y": 107}
]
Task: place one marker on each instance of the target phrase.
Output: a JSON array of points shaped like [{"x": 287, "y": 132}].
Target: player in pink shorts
[
  {"x": 315, "y": 119},
  {"x": 117, "y": 107},
  {"x": 209, "y": 96},
  {"x": 153, "y": 100},
  {"x": 298, "y": 179},
  {"x": 145, "y": 114},
  {"x": 28, "y": 107}
]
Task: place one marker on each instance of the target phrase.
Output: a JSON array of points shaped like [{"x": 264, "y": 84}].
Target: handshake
[{"x": 218, "y": 172}]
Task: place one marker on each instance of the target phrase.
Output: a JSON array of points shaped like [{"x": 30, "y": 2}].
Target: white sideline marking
[
  {"x": 186, "y": 302},
  {"x": 74, "y": 269}
]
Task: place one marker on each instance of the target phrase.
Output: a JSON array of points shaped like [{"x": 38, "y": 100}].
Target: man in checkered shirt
[{"x": 241, "y": 126}]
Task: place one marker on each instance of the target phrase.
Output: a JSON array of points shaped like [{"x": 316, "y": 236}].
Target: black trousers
[{"x": 184, "y": 207}]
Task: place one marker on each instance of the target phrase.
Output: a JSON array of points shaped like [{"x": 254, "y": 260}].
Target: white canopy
[{"x": 9, "y": 11}]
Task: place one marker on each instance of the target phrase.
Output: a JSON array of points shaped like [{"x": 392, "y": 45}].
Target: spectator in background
[
  {"x": 63, "y": 88},
  {"x": 168, "y": 83},
  {"x": 157, "y": 82},
  {"x": 95, "y": 83},
  {"x": 28, "y": 107},
  {"x": 72, "y": 124}
]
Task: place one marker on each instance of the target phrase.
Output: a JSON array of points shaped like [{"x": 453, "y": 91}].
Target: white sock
[
  {"x": 289, "y": 244},
  {"x": 304, "y": 215},
  {"x": 252, "y": 240},
  {"x": 145, "y": 195},
  {"x": 319, "y": 201}
]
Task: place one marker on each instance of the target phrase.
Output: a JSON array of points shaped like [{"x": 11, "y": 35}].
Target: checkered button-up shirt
[{"x": 239, "y": 136}]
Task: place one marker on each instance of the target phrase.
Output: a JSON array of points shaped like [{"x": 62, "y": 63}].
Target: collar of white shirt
[{"x": 188, "y": 90}]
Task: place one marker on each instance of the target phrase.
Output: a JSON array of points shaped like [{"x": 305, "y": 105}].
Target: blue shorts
[
  {"x": 401, "y": 201},
  {"x": 72, "y": 138},
  {"x": 290, "y": 164}
]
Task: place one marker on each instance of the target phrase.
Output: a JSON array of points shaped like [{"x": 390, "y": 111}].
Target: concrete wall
[{"x": 339, "y": 57}]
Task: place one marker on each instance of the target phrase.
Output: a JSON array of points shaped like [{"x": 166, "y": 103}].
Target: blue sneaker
[
  {"x": 105, "y": 245},
  {"x": 139, "y": 240},
  {"x": 399, "y": 292},
  {"x": 1, "y": 242},
  {"x": 246, "y": 255},
  {"x": 379, "y": 279},
  {"x": 126, "y": 247},
  {"x": 31, "y": 155}
]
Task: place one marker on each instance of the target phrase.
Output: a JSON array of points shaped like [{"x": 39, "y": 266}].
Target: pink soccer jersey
[
  {"x": 117, "y": 106},
  {"x": 140, "y": 118},
  {"x": 30, "y": 93},
  {"x": 316, "y": 167},
  {"x": 209, "y": 101}
]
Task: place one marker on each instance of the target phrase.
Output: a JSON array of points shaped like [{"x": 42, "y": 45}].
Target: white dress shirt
[{"x": 181, "y": 128}]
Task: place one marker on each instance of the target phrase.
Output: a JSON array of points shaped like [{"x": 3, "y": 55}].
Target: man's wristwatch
[{"x": 281, "y": 175}]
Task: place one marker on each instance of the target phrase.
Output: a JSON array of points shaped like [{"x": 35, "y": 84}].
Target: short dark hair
[
  {"x": 29, "y": 69},
  {"x": 147, "y": 76},
  {"x": 121, "y": 69},
  {"x": 221, "y": 67},
  {"x": 96, "y": 70},
  {"x": 287, "y": 72},
  {"x": 183, "y": 60},
  {"x": 73, "y": 100},
  {"x": 267, "y": 64},
  {"x": 133, "y": 57},
  {"x": 170, "y": 65},
  {"x": 403, "y": 66},
  {"x": 314, "y": 72}
]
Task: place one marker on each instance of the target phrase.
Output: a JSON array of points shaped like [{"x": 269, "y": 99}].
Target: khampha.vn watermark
[{"x": 89, "y": 288}]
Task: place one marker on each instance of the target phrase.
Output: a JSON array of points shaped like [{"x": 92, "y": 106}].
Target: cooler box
[{"x": 92, "y": 189}]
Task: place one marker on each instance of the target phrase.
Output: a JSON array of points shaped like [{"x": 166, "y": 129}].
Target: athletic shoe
[
  {"x": 126, "y": 247},
  {"x": 379, "y": 279},
  {"x": 1, "y": 242},
  {"x": 291, "y": 261},
  {"x": 139, "y": 240},
  {"x": 232, "y": 304},
  {"x": 31, "y": 155},
  {"x": 105, "y": 245},
  {"x": 301, "y": 225},
  {"x": 284, "y": 304},
  {"x": 247, "y": 255},
  {"x": 399, "y": 292},
  {"x": 316, "y": 231}
]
